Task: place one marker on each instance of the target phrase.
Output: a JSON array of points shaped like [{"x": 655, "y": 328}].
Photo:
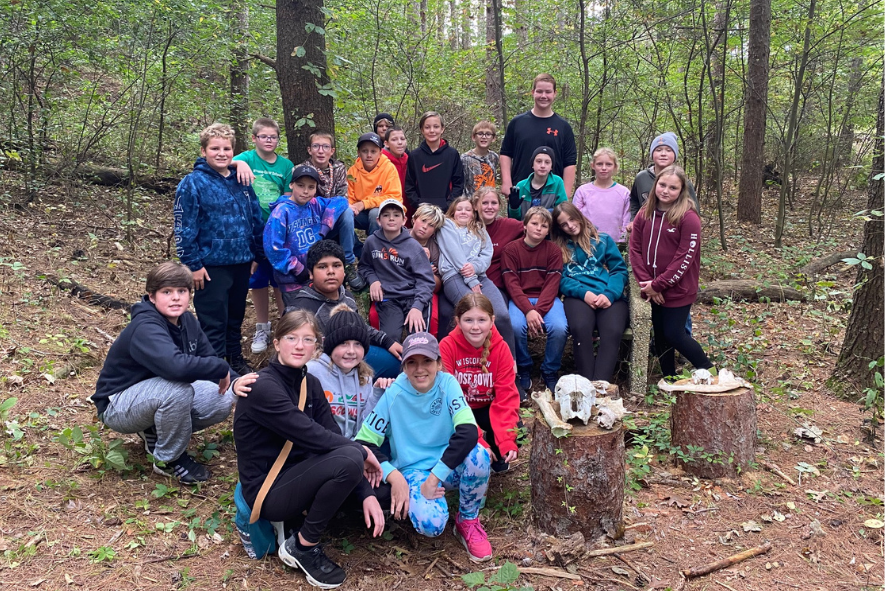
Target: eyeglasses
[
  {"x": 265, "y": 138},
  {"x": 321, "y": 147},
  {"x": 294, "y": 340},
  {"x": 485, "y": 134}
]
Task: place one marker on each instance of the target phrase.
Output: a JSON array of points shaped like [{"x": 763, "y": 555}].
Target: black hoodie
[
  {"x": 434, "y": 177},
  {"x": 150, "y": 347}
]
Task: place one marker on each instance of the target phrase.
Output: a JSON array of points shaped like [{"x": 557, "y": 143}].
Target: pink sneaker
[{"x": 470, "y": 533}]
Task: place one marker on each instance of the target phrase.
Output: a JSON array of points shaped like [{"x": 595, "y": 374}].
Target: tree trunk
[
  {"x": 453, "y": 26},
  {"x": 466, "y": 25},
  {"x": 748, "y": 290},
  {"x": 494, "y": 88},
  {"x": 240, "y": 77},
  {"x": 715, "y": 432},
  {"x": 864, "y": 333},
  {"x": 578, "y": 481},
  {"x": 520, "y": 24},
  {"x": 713, "y": 136},
  {"x": 305, "y": 109}
]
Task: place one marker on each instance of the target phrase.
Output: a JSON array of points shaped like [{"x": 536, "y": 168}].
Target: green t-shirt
[{"x": 271, "y": 180}]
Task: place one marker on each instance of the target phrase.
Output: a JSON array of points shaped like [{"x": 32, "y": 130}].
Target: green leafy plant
[
  {"x": 102, "y": 554},
  {"x": 93, "y": 449},
  {"x": 501, "y": 580}
]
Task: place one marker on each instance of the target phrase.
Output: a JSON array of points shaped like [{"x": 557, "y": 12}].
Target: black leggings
[
  {"x": 610, "y": 323},
  {"x": 669, "y": 326},
  {"x": 319, "y": 485},
  {"x": 481, "y": 415}
]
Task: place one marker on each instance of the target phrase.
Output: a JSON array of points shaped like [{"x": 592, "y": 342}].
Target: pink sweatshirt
[{"x": 608, "y": 209}]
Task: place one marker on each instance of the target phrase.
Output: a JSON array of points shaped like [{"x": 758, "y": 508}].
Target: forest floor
[{"x": 69, "y": 520}]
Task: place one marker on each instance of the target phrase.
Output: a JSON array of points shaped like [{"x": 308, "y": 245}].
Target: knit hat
[
  {"x": 344, "y": 325},
  {"x": 543, "y": 150},
  {"x": 669, "y": 139},
  {"x": 381, "y": 116}
]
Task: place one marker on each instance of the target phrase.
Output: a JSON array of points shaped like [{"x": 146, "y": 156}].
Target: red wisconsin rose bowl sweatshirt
[{"x": 495, "y": 388}]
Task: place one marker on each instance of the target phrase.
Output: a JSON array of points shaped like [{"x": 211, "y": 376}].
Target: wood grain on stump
[
  {"x": 592, "y": 464},
  {"x": 723, "y": 424}
]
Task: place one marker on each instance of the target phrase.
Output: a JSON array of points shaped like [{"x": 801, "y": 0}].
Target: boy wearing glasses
[
  {"x": 333, "y": 173},
  {"x": 273, "y": 174},
  {"x": 480, "y": 163}
]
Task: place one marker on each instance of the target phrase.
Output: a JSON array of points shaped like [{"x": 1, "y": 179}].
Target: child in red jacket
[
  {"x": 665, "y": 248},
  {"x": 477, "y": 355}
]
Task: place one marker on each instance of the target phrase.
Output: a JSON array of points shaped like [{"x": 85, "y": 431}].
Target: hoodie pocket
[{"x": 228, "y": 251}]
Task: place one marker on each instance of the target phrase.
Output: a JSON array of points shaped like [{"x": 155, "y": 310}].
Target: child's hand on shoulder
[
  {"x": 245, "y": 175},
  {"x": 243, "y": 383},
  {"x": 383, "y": 383},
  {"x": 376, "y": 293}
]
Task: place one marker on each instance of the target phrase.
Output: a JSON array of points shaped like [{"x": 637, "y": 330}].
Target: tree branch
[{"x": 270, "y": 62}]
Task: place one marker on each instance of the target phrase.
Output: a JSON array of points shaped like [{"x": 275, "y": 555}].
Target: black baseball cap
[
  {"x": 305, "y": 170},
  {"x": 370, "y": 137}
]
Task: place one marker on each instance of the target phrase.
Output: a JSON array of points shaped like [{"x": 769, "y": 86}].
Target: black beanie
[
  {"x": 543, "y": 150},
  {"x": 345, "y": 325},
  {"x": 381, "y": 116}
]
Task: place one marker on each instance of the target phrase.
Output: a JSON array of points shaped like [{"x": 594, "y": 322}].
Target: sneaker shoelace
[{"x": 473, "y": 531}]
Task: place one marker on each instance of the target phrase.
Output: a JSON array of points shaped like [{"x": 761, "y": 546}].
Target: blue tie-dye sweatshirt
[
  {"x": 290, "y": 232},
  {"x": 217, "y": 221}
]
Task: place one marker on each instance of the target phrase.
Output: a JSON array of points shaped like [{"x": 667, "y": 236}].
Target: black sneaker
[
  {"x": 238, "y": 364},
  {"x": 149, "y": 436},
  {"x": 353, "y": 278},
  {"x": 319, "y": 570},
  {"x": 185, "y": 469},
  {"x": 499, "y": 466}
]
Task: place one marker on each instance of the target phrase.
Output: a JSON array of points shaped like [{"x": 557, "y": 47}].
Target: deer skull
[{"x": 576, "y": 395}]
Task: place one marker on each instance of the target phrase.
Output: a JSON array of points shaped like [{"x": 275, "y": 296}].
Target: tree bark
[
  {"x": 723, "y": 425},
  {"x": 864, "y": 333},
  {"x": 240, "y": 77},
  {"x": 750, "y": 185},
  {"x": 466, "y": 25},
  {"x": 578, "y": 481},
  {"x": 747, "y": 290},
  {"x": 305, "y": 109}
]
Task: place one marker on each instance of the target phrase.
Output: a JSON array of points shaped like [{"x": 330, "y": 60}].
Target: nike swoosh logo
[{"x": 426, "y": 169}]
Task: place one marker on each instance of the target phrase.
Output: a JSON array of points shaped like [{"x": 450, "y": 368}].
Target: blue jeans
[
  {"x": 382, "y": 362},
  {"x": 343, "y": 233},
  {"x": 367, "y": 220},
  {"x": 557, "y": 330}
]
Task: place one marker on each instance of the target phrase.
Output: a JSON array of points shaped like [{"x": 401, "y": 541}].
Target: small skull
[
  {"x": 605, "y": 417},
  {"x": 701, "y": 376},
  {"x": 576, "y": 396}
]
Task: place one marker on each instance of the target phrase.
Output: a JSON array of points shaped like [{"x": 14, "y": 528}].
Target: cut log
[
  {"x": 722, "y": 425},
  {"x": 818, "y": 265},
  {"x": 750, "y": 291},
  {"x": 86, "y": 294},
  {"x": 578, "y": 481}
]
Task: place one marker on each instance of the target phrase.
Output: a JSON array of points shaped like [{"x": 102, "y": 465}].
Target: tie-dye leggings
[{"x": 470, "y": 478}]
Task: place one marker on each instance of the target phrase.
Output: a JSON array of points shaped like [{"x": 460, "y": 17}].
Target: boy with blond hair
[
  {"x": 218, "y": 235},
  {"x": 480, "y": 163},
  {"x": 272, "y": 175}
]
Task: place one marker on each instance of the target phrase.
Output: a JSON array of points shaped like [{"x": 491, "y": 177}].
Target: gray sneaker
[{"x": 262, "y": 337}]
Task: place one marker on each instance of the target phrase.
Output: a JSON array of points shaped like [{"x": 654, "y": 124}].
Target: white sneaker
[{"x": 262, "y": 337}]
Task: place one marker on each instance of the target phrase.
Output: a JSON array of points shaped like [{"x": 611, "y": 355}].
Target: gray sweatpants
[{"x": 176, "y": 409}]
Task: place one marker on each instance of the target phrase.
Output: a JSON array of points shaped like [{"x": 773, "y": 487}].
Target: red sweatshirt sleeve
[
  {"x": 635, "y": 247},
  {"x": 551, "y": 287},
  {"x": 510, "y": 267},
  {"x": 504, "y": 410},
  {"x": 684, "y": 261}
]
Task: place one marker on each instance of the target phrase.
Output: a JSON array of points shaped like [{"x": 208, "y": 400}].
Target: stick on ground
[
  {"x": 707, "y": 569},
  {"x": 619, "y": 549}
]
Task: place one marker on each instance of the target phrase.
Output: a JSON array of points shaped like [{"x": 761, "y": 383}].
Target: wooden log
[
  {"x": 578, "y": 481},
  {"x": 745, "y": 290},
  {"x": 722, "y": 424},
  {"x": 818, "y": 265}
]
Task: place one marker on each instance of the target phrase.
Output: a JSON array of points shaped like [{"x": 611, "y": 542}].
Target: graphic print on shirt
[
  {"x": 426, "y": 168},
  {"x": 352, "y": 403},
  {"x": 304, "y": 236},
  {"x": 476, "y": 383}
]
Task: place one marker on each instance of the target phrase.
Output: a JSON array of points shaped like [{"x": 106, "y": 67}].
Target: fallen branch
[
  {"x": 776, "y": 470},
  {"x": 699, "y": 571},
  {"x": 550, "y": 572},
  {"x": 86, "y": 294},
  {"x": 179, "y": 557},
  {"x": 619, "y": 549},
  {"x": 819, "y": 265},
  {"x": 745, "y": 290}
]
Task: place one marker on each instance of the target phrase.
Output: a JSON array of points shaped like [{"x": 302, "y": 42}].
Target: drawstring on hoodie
[{"x": 649, "y": 248}]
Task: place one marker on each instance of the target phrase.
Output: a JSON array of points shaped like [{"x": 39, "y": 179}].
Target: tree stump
[
  {"x": 721, "y": 429},
  {"x": 581, "y": 487}
]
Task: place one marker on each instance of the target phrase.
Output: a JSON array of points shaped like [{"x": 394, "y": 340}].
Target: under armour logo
[{"x": 553, "y": 131}]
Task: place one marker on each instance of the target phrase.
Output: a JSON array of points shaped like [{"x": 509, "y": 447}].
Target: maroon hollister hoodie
[{"x": 669, "y": 256}]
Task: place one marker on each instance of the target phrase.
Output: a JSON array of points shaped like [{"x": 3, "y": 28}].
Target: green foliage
[
  {"x": 93, "y": 450},
  {"x": 501, "y": 580},
  {"x": 872, "y": 396},
  {"x": 102, "y": 554}
]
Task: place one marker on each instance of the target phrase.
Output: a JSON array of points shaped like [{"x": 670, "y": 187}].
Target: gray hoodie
[
  {"x": 459, "y": 246},
  {"x": 644, "y": 183},
  {"x": 348, "y": 400},
  {"x": 401, "y": 266}
]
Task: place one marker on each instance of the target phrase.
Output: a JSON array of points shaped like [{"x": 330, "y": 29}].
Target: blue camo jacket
[{"x": 217, "y": 221}]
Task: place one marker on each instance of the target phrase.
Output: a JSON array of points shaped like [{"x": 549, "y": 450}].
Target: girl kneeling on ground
[
  {"x": 434, "y": 447},
  {"x": 593, "y": 284},
  {"x": 323, "y": 469},
  {"x": 481, "y": 362}
]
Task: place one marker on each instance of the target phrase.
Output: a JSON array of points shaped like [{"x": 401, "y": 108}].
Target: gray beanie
[{"x": 669, "y": 139}]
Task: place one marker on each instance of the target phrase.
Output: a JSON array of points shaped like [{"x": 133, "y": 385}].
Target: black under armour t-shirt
[{"x": 526, "y": 132}]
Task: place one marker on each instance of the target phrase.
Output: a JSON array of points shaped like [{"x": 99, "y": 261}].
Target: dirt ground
[{"x": 69, "y": 520}]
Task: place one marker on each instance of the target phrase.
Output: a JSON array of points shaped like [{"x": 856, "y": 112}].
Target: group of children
[{"x": 390, "y": 416}]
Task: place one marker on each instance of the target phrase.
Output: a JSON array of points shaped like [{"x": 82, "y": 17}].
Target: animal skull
[
  {"x": 609, "y": 411},
  {"x": 576, "y": 395},
  {"x": 701, "y": 376},
  {"x": 605, "y": 417}
]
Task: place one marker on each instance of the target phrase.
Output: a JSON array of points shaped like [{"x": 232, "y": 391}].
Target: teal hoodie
[
  {"x": 604, "y": 271},
  {"x": 418, "y": 426},
  {"x": 553, "y": 193}
]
